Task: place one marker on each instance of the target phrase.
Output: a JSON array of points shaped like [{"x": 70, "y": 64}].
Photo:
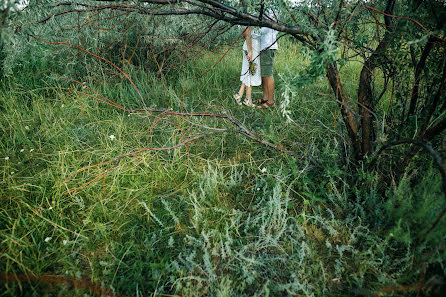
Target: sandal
[
  {"x": 265, "y": 105},
  {"x": 238, "y": 99},
  {"x": 258, "y": 101},
  {"x": 248, "y": 102}
]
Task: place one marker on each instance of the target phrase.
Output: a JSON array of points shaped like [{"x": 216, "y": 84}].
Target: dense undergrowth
[{"x": 224, "y": 216}]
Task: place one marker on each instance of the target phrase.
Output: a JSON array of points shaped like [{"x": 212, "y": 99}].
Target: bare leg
[
  {"x": 268, "y": 92},
  {"x": 248, "y": 94},
  {"x": 248, "y": 100},
  {"x": 238, "y": 96},
  {"x": 264, "y": 90},
  {"x": 242, "y": 90}
]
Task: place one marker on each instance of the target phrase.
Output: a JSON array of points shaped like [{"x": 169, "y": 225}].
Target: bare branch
[
  {"x": 438, "y": 161},
  {"x": 53, "y": 279},
  {"x": 215, "y": 9},
  {"x": 427, "y": 148}
]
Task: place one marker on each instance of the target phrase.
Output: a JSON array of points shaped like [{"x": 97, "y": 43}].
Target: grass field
[{"x": 222, "y": 216}]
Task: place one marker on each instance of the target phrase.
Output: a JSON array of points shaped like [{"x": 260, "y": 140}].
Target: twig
[
  {"x": 96, "y": 56},
  {"x": 117, "y": 160},
  {"x": 438, "y": 161},
  {"x": 96, "y": 289},
  {"x": 427, "y": 147}
]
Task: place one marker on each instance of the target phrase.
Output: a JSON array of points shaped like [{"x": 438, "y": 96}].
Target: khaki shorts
[{"x": 267, "y": 62}]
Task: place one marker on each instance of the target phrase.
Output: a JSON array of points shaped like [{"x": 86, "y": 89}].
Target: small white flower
[
  {"x": 12, "y": 172},
  {"x": 26, "y": 127},
  {"x": 22, "y": 150},
  {"x": 263, "y": 170},
  {"x": 65, "y": 242},
  {"x": 258, "y": 189},
  {"x": 47, "y": 239},
  {"x": 6, "y": 158},
  {"x": 31, "y": 150},
  {"x": 84, "y": 85},
  {"x": 63, "y": 105},
  {"x": 50, "y": 208},
  {"x": 112, "y": 137}
]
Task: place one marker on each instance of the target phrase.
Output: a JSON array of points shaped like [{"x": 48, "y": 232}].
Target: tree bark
[
  {"x": 347, "y": 115},
  {"x": 436, "y": 100},
  {"x": 4, "y": 14},
  {"x": 365, "y": 95},
  {"x": 435, "y": 130},
  {"x": 427, "y": 135},
  {"x": 418, "y": 70}
]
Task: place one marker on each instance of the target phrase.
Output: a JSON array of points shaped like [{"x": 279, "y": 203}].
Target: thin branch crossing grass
[
  {"x": 240, "y": 128},
  {"x": 183, "y": 129},
  {"x": 96, "y": 56},
  {"x": 61, "y": 280}
]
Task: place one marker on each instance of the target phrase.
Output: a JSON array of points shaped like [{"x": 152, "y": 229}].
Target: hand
[{"x": 249, "y": 56}]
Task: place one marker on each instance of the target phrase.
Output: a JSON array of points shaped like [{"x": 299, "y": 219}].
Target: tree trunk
[
  {"x": 418, "y": 70},
  {"x": 365, "y": 95},
  {"x": 436, "y": 100},
  {"x": 3, "y": 16},
  {"x": 365, "y": 104},
  {"x": 347, "y": 115}
]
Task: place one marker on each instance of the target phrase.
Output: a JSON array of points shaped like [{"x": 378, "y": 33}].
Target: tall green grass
[{"x": 223, "y": 217}]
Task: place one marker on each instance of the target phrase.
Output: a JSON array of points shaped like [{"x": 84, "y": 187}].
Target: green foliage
[
  {"x": 213, "y": 227},
  {"x": 224, "y": 217}
]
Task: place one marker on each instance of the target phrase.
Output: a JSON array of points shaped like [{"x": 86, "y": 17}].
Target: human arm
[{"x": 247, "y": 35}]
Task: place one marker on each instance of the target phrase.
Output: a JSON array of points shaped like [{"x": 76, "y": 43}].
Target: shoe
[
  {"x": 258, "y": 101},
  {"x": 248, "y": 102},
  {"x": 265, "y": 105},
  {"x": 238, "y": 99}
]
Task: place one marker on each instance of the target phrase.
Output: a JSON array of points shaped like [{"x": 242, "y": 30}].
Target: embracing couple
[{"x": 257, "y": 66}]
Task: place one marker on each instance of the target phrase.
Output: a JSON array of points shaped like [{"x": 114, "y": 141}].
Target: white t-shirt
[{"x": 268, "y": 36}]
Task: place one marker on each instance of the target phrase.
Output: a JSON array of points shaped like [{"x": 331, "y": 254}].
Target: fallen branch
[
  {"x": 408, "y": 288},
  {"x": 240, "y": 129},
  {"x": 51, "y": 279}
]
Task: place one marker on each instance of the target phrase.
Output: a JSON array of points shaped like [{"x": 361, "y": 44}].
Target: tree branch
[
  {"x": 438, "y": 161},
  {"x": 418, "y": 70},
  {"x": 216, "y": 10},
  {"x": 53, "y": 279}
]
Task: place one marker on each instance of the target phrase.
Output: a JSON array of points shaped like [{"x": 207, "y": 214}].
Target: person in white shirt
[{"x": 268, "y": 47}]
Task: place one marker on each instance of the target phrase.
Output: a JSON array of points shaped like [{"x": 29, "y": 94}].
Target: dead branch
[
  {"x": 408, "y": 288},
  {"x": 60, "y": 280},
  {"x": 241, "y": 130},
  {"x": 438, "y": 161},
  {"x": 96, "y": 56}
]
